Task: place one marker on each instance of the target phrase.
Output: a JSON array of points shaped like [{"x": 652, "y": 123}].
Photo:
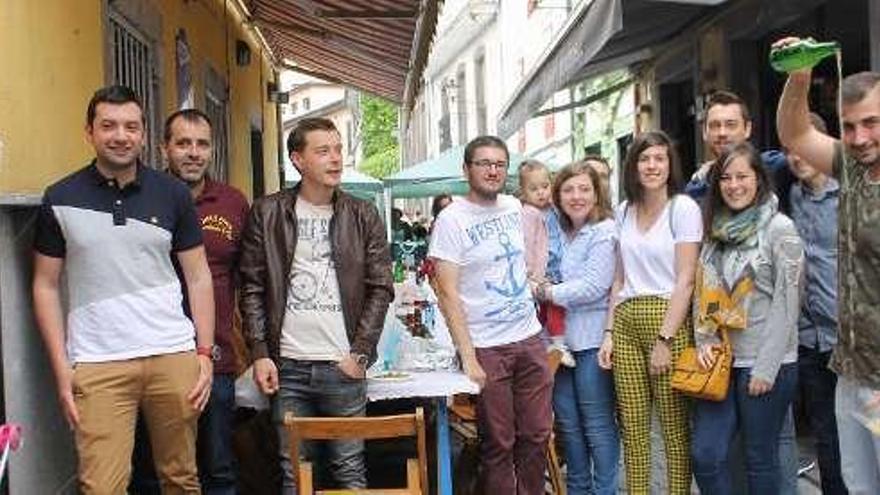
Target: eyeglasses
[{"x": 487, "y": 164}]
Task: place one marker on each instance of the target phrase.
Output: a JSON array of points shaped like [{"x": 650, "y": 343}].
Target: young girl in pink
[{"x": 534, "y": 185}]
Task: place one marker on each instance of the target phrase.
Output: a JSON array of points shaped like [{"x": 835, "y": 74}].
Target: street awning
[
  {"x": 379, "y": 46},
  {"x": 601, "y": 35}
]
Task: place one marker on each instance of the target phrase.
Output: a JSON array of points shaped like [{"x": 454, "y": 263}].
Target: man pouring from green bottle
[{"x": 855, "y": 161}]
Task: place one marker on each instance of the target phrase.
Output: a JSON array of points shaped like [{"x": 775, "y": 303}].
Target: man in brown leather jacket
[{"x": 315, "y": 286}]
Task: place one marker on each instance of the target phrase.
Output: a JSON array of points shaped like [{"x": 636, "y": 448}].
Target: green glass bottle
[
  {"x": 804, "y": 54},
  {"x": 399, "y": 272}
]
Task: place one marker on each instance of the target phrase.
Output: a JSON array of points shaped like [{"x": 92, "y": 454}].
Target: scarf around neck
[
  {"x": 742, "y": 227},
  {"x": 720, "y": 306}
]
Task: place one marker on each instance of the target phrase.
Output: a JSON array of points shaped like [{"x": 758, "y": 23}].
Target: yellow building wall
[
  {"x": 212, "y": 32},
  {"x": 52, "y": 56},
  {"x": 51, "y": 59}
]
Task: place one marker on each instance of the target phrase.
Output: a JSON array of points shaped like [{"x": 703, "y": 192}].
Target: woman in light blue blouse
[{"x": 583, "y": 396}]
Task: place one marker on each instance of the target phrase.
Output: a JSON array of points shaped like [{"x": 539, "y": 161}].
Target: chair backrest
[
  {"x": 366, "y": 428},
  {"x": 554, "y": 358}
]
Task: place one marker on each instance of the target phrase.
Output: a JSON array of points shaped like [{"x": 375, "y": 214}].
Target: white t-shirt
[
  {"x": 649, "y": 257},
  {"x": 313, "y": 327},
  {"x": 486, "y": 242}
]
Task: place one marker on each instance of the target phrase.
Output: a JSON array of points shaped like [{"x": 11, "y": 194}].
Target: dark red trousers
[{"x": 515, "y": 417}]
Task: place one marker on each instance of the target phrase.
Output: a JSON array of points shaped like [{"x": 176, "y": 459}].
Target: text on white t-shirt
[
  {"x": 313, "y": 327},
  {"x": 486, "y": 242}
]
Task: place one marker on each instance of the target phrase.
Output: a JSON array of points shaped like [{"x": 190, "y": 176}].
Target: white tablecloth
[{"x": 422, "y": 384}]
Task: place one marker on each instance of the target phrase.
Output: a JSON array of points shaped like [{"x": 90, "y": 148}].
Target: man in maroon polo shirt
[{"x": 221, "y": 210}]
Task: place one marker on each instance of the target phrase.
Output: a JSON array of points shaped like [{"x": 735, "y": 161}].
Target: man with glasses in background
[{"x": 477, "y": 246}]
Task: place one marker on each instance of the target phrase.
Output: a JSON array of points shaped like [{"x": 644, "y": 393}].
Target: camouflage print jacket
[{"x": 857, "y": 355}]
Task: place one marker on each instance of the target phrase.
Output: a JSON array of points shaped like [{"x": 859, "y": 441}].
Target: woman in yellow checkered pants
[{"x": 659, "y": 234}]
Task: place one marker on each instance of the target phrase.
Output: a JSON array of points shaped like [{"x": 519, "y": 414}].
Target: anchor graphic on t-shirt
[{"x": 511, "y": 287}]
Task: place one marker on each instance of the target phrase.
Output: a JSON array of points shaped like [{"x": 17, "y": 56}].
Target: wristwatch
[
  {"x": 212, "y": 351},
  {"x": 360, "y": 359},
  {"x": 666, "y": 340}
]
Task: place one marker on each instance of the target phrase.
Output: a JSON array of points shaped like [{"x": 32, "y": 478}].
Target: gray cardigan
[{"x": 770, "y": 338}]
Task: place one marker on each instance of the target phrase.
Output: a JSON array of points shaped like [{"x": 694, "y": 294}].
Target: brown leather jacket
[{"x": 363, "y": 269}]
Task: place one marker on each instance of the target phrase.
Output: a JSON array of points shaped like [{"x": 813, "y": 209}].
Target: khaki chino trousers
[{"x": 108, "y": 396}]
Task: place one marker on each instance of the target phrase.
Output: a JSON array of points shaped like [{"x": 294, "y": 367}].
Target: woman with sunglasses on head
[{"x": 748, "y": 286}]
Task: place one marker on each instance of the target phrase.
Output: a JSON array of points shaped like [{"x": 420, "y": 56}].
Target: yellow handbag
[{"x": 690, "y": 378}]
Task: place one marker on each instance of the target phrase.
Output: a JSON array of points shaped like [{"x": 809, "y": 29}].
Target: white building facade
[{"x": 483, "y": 51}]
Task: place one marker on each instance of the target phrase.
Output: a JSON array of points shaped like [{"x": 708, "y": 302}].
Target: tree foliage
[
  {"x": 379, "y": 136},
  {"x": 381, "y": 165}
]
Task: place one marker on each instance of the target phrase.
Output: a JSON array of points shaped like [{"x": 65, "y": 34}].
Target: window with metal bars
[
  {"x": 132, "y": 65},
  {"x": 215, "y": 108}
]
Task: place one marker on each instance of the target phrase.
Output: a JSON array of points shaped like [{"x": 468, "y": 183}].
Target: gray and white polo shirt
[{"x": 117, "y": 245}]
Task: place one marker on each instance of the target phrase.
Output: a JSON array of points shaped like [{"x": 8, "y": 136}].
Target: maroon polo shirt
[{"x": 222, "y": 212}]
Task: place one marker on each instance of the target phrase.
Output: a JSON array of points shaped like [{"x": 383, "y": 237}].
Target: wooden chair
[
  {"x": 366, "y": 428},
  {"x": 464, "y": 416},
  {"x": 557, "y": 481}
]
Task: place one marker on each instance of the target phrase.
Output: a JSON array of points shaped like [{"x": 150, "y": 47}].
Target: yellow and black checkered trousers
[{"x": 637, "y": 323}]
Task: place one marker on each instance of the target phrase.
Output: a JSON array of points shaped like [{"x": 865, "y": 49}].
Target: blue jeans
[
  {"x": 788, "y": 455},
  {"x": 817, "y": 383},
  {"x": 759, "y": 420},
  {"x": 215, "y": 457},
  {"x": 320, "y": 388},
  {"x": 583, "y": 400},
  {"x": 788, "y": 459}
]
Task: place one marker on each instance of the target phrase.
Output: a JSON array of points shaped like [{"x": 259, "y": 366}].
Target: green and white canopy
[{"x": 442, "y": 175}]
